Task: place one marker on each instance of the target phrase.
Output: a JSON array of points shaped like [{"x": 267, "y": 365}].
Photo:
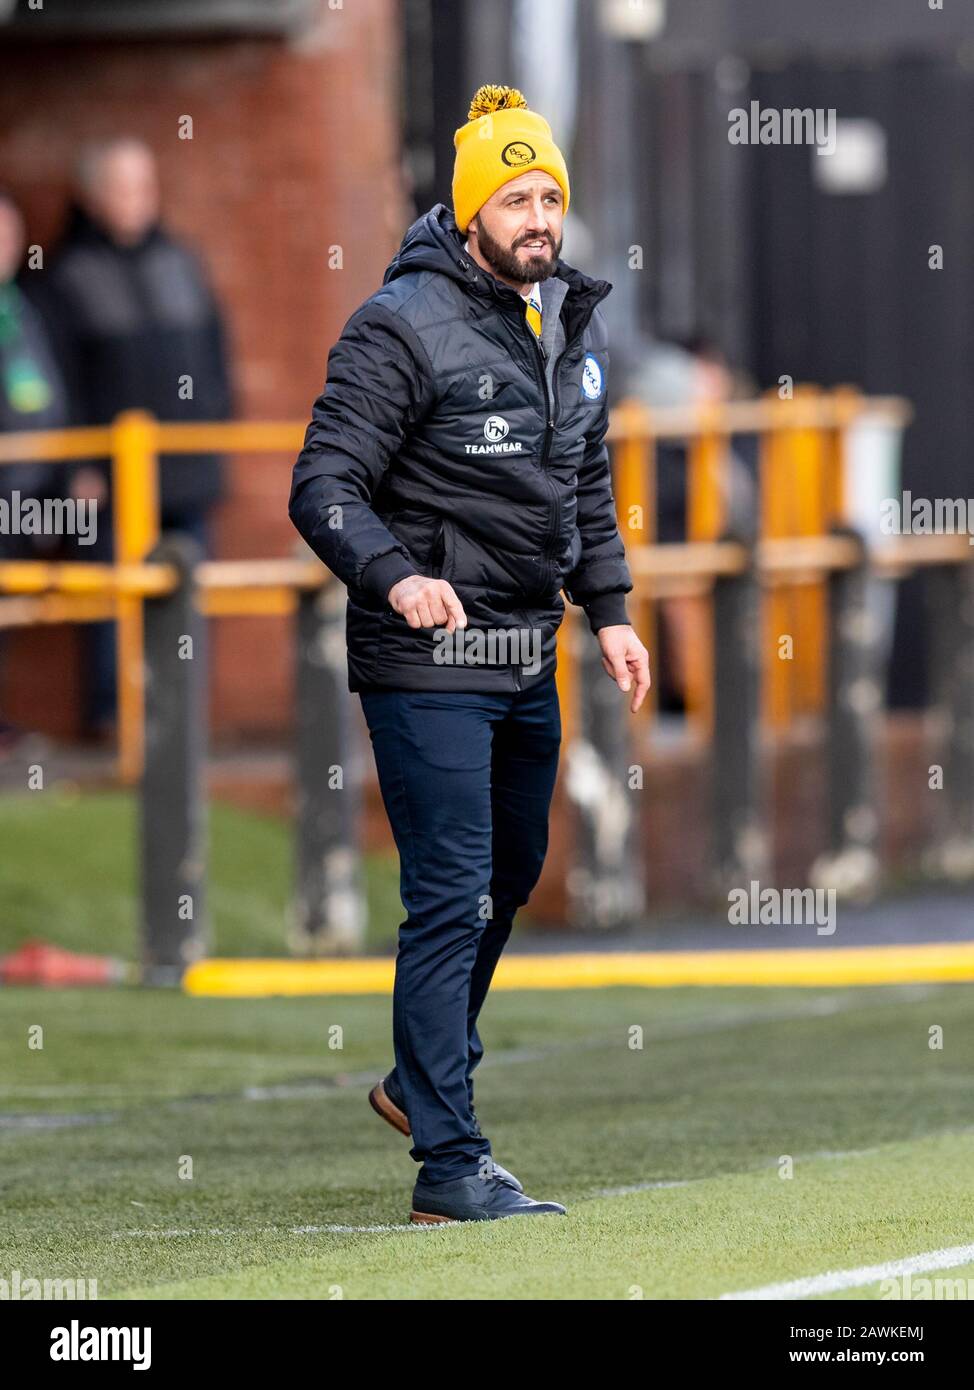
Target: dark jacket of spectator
[{"x": 130, "y": 325}]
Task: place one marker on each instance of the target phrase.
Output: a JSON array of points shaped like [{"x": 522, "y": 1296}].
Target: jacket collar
[
  {"x": 81, "y": 229},
  {"x": 434, "y": 242}
]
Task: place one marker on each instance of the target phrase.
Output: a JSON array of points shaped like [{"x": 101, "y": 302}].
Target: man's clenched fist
[{"x": 427, "y": 602}]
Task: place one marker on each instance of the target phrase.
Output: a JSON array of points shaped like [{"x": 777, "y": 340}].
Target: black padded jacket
[{"x": 438, "y": 447}]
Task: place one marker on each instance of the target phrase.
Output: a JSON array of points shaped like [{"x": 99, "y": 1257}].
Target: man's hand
[
  {"x": 427, "y": 602},
  {"x": 625, "y": 658}
]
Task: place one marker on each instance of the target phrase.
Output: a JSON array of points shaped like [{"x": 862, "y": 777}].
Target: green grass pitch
[{"x": 669, "y": 1156}]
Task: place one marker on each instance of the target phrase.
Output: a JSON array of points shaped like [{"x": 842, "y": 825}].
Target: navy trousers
[{"x": 467, "y": 781}]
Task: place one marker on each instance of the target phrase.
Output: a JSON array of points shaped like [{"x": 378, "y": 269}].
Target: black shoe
[
  {"x": 386, "y": 1100},
  {"x": 474, "y": 1199}
]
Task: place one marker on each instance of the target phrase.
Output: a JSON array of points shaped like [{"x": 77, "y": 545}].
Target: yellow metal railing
[
  {"x": 802, "y": 450},
  {"x": 801, "y": 496},
  {"x": 133, "y": 444}
]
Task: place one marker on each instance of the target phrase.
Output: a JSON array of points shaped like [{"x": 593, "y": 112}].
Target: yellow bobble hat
[{"x": 502, "y": 139}]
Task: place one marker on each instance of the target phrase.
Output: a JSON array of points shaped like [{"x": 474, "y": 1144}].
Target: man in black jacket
[{"x": 455, "y": 477}]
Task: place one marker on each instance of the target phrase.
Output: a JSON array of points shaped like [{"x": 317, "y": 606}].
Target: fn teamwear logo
[{"x": 496, "y": 429}]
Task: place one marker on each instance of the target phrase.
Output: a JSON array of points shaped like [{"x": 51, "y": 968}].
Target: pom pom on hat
[{"x": 490, "y": 98}]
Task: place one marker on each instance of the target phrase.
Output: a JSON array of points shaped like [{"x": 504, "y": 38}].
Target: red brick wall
[{"x": 294, "y": 149}]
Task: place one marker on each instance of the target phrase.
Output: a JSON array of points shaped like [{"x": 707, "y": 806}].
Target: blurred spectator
[
  {"x": 135, "y": 324},
  {"x": 32, "y": 397}
]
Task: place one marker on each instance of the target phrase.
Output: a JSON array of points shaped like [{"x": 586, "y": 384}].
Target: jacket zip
[
  {"x": 519, "y": 666},
  {"x": 551, "y": 407},
  {"x": 546, "y": 447}
]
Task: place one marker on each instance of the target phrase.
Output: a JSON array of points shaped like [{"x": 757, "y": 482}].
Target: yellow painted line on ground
[{"x": 848, "y": 965}]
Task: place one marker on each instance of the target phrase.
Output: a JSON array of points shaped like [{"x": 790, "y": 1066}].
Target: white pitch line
[
  {"x": 855, "y": 1278},
  {"x": 167, "y": 1233},
  {"x": 10, "y": 1124},
  {"x": 742, "y": 1172},
  {"x": 645, "y": 1186},
  {"x": 316, "y": 1230},
  {"x": 623, "y": 1191}
]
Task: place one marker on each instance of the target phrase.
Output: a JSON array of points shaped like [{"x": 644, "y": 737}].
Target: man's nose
[{"x": 537, "y": 221}]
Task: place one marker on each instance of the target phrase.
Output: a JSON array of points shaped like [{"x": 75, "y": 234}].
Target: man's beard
[{"x": 505, "y": 262}]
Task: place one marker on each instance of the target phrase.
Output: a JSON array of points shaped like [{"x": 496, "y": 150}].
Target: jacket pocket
[
  {"x": 417, "y": 530},
  {"x": 437, "y": 552},
  {"x": 441, "y": 553}
]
